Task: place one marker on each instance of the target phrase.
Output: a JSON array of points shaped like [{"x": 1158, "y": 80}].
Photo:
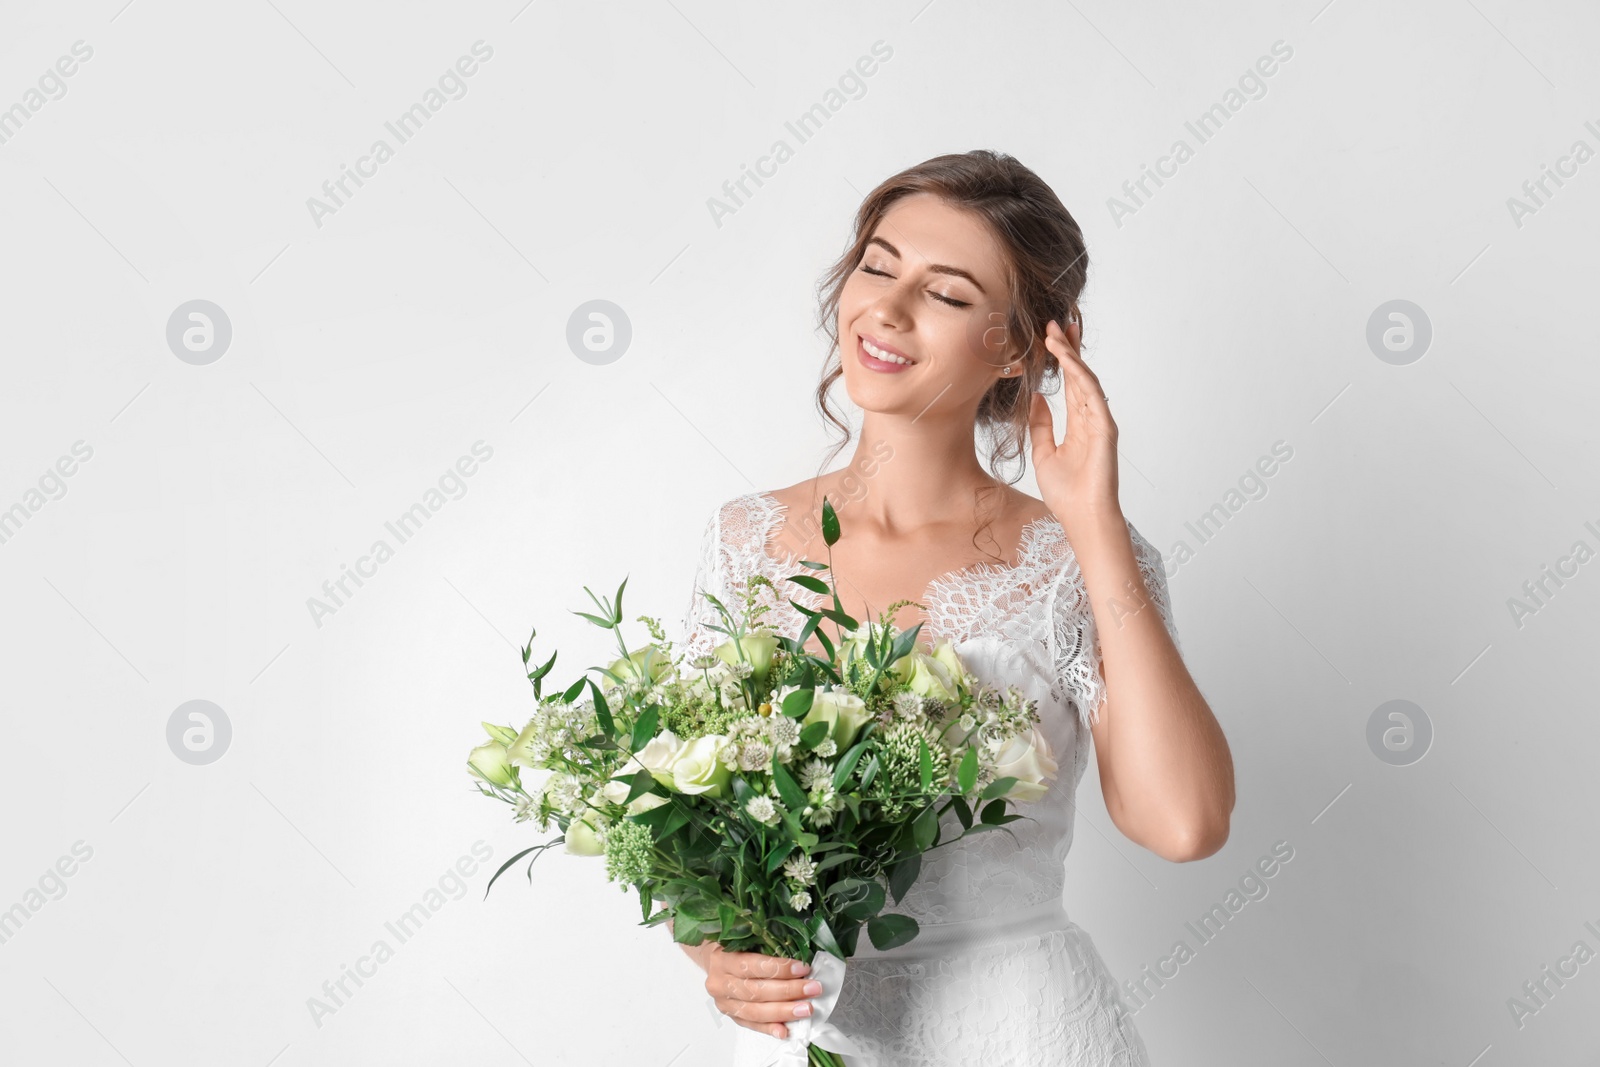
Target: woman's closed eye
[{"x": 936, "y": 296}]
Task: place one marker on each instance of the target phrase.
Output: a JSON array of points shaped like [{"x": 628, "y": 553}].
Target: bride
[{"x": 954, "y": 307}]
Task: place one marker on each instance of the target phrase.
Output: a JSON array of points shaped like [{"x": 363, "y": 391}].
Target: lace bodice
[{"x": 1029, "y": 625}]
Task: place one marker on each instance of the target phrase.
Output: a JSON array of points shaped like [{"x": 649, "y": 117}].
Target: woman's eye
[{"x": 937, "y": 296}]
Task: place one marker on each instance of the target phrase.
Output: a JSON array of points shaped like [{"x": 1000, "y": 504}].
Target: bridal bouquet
[{"x": 766, "y": 797}]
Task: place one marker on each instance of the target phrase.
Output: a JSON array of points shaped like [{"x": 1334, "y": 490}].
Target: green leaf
[
  {"x": 902, "y": 874},
  {"x": 871, "y": 771},
  {"x": 848, "y": 764},
  {"x": 601, "y": 711},
  {"x": 963, "y": 812},
  {"x": 993, "y": 811},
  {"x": 996, "y": 788},
  {"x": 645, "y": 901},
  {"x": 676, "y": 821},
  {"x": 830, "y": 524},
  {"x": 836, "y": 859},
  {"x": 788, "y": 788},
  {"x": 508, "y": 863},
  {"x": 798, "y": 703},
  {"x": 867, "y": 906},
  {"x": 779, "y": 854},
  {"x": 891, "y": 931},
  {"x": 604, "y": 624},
  {"x": 805, "y": 581},
  {"x": 823, "y": 937},
  {"x": 685, "y": 933},
  {"x": 813, "y": 733},
  {"x": 645, "y": 727},
  {"x": 639, "y": 783},
  {"x": 573, "y": 690},
  {"x": 925, "y": 828},
  {"x": 967, "y": 773},
  {"x": 925, "y": 762}
]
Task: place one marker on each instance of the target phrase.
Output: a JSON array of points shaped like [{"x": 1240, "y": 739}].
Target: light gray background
[{"x": 1229, "y": 312}]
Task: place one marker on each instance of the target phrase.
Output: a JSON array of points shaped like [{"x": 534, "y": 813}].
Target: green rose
[
  {"x": 843, "y": 711},
  {"x": 582, "y": 837},
  {"x": 931, "y": 678},
  {"x": 489, "y": 761},
  {"x": 758, "y": 646},
  {"x": 646, "y": 663},
  {"x": 697, "y": 768},
  {"x": 945, "y": 653},
  {"x": 855, "y": 646}
]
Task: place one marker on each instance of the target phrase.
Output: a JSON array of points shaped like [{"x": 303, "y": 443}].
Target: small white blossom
[
  {"x": 813, "y": 774},
  {"x": 762, "y": 810},
  {"x": 783, "y": 730},
  {"x": 827, "y": 748},
  {"x": 754, "y": 756},
  {"x": 800, "y": 868},
  {"x": 800, "y": 901}
]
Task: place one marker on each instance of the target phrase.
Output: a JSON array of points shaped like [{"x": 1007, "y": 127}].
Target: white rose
[
  {"x": 658, "y": 756},
  {"x": 843, "y": 711},
  {"x": 582, "y": 840},
  {"x": 697, "y": 768},
  {"x": 617, "y": 792},
  {"x": 932, "y": 678},
  {"x": 1028, "y": 759}
]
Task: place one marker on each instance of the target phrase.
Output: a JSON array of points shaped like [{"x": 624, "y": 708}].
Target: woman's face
[{"x": 930, "y": 288}]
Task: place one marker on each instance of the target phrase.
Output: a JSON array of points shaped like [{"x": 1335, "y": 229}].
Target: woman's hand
[
  {"x": 1078, "y": 477},
  {"x": 759, "y": 992}
]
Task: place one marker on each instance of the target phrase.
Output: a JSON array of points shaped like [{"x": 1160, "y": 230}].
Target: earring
[{"x": 1006, "y": 369}]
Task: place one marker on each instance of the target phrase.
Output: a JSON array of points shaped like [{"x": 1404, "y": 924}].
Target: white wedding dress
[{"x": 999, "y": 976}]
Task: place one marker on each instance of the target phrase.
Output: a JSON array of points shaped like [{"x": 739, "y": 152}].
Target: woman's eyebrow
[{"x": 937, "y": 268}]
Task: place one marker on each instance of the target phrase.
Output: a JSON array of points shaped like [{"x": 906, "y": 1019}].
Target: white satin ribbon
[{"x": 815, "y": 1029}]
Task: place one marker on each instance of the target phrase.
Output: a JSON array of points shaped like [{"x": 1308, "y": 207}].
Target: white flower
[
  {"x": 762, "y": 810},
  {"x": 800, "y": 901},
  {"x": 813, "y": 774},
  {"x": 754, "y": 756},
  {"x": 800, "y": 868},
  {"x": 526, "y": 808},
  {"x": 827, "y": 748},
  {"x": 907, "y": 705},
  {"x": 783, "y": 730}
]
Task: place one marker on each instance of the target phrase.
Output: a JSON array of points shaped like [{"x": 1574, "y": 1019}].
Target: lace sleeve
[
  {"x": 1077, "y": 644},
  {"x": 697, "y": 639}
]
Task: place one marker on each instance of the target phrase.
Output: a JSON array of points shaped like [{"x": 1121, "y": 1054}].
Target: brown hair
[{"x": 1046, "y": 269}]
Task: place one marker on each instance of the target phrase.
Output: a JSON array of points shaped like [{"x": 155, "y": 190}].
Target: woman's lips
[{"x": 872, "y": 362}]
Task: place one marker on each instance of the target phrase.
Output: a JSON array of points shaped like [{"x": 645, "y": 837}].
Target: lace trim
[{"x": 1040, "y": 598}]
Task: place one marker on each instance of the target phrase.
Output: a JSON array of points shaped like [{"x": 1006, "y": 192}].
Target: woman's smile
[{"x": 878, "y": 356}]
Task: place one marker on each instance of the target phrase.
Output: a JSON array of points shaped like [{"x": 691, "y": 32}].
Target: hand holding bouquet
[{"x": 766, "y": 797}]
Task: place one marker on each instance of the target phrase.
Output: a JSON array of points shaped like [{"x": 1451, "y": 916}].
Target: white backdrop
[{"x": 174, "y": 510}]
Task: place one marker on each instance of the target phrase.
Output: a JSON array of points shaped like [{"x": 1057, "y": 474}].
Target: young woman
[{"x": 955, "y": 307}]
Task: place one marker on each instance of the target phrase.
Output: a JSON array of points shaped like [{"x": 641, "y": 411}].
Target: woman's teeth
[{"x": 888, "y": 357}]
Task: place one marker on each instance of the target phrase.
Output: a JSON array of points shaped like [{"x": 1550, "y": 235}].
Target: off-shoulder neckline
[{"x": 1028, "y": 543}]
